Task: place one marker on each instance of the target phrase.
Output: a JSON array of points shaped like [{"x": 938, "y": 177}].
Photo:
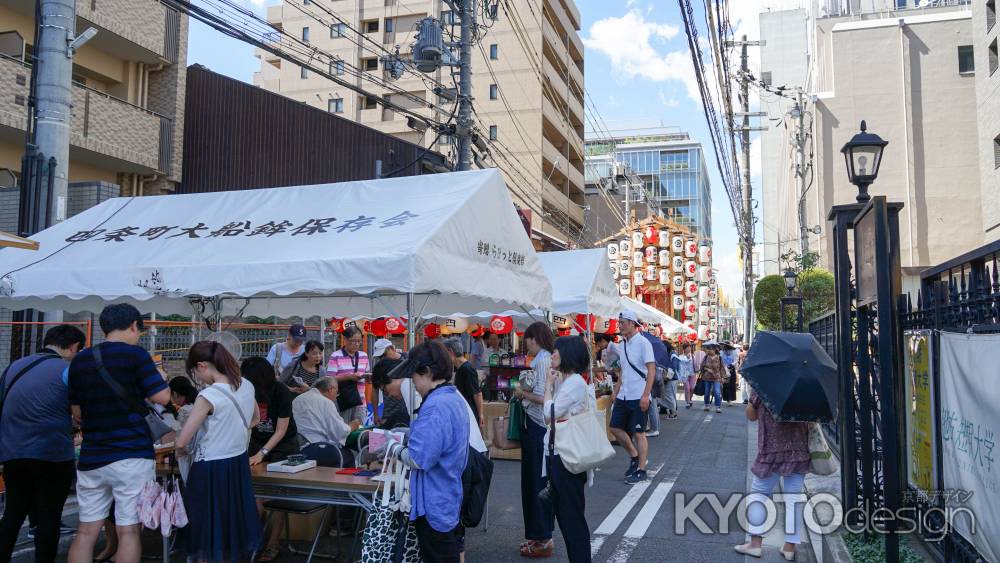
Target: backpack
[{"x": 476, "y": 481}]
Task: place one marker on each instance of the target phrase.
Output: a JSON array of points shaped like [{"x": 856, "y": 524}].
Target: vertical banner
[
  {"x": 970, "y": 393},
  {"x": 921, "y": 442}
]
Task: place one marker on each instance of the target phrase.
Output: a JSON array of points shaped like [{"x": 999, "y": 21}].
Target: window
[
  {"x": 306, "y": 2},
  {"x": 337, "y": 68},
  {"x": 303, "y": 73},
  {"x": 305, "y": 34},
  {"x": 996, "y": 151},
  {"x": 335, "y": 105},
  {"x": 494, "y": 51},
  {"x": 994, "y": 58},
  {"x": 966, "y": 59},
  {"x": 493, "y": 132},
  {"x": 371, "y": 26},
  {"x": 493, "y": 91},
  {"x": 370, "y": 64},
  {"x": 991, "y": 14},
  {"x": 389, "y": 26},
  {"x": 370, "y": 102}
]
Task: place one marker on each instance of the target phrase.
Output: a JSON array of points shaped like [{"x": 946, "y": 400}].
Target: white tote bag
[
  {"x": 822, "y": 460},
  {"x": 581, "y": 440}
]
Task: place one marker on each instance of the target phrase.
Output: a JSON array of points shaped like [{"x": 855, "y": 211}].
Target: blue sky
[{"x": 638, "y": 71}]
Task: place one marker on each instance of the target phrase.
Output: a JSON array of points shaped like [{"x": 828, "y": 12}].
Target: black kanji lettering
[
  {"x": 356, "y": 224},
  {"x": 270, "y": 228},
  {"x": 232, "y": 229},
  {"x": 399, "y": 219},
  {"x": 118, "y": 235},
  {"x": 191, "y": 232},
  {"x": 81, "y": 236},
  {"x": 313, "y": 226},
  {"x": 154, "y": 233}
]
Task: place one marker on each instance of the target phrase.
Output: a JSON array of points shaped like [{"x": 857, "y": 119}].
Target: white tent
[
  {"x": 450, "y": 243},
  {"x": 651, "y": 315}
]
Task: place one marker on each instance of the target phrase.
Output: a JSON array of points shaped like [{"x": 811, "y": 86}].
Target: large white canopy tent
[
  {"x": 449, "y": 243},
  {"x": 651, "y": 315}
]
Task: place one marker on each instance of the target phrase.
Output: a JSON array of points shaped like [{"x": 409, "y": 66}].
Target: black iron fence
[
  {"x": 824, "y": 328},
  {"x": 962, "y": 296}
]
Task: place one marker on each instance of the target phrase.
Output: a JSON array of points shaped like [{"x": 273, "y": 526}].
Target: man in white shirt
[
  {"x": 631, "y": 408},
  {"x": 317, "y": 417}
]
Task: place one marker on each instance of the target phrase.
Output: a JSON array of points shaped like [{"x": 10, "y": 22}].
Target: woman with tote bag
[{"x": 565, "y": 396}]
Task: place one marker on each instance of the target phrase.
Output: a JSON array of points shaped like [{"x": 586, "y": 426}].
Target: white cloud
[
  {"x": 630, "y": 42},
  {"x": 668, "y": 101}
]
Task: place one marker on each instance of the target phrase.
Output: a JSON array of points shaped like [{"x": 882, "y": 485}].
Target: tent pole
[
  {"x": 590, "y": 343},
  {"x": 411, "y": 338}
]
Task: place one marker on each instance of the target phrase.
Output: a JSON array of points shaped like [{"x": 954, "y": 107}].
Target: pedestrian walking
[
  {"x": 782, "y": 454},
  {"x": 744, "y": 385},
  {"x": 306, "y": 369},
  {"x": 567, "y": 394},
  {"x": 713, "y": 374},
  {"x": 282, "y": 354},
  {"x": 116, "y": 456},
  {"x": 436, "y": 453},
  {"x": 729, "y": 358},
  {"x": 36, "y": 441},
  {"x": 632, "y": 402},
  {"x": 687, "y": 373},
  {"x": 350, "y": 366},
  {"x": 223, "y": 523},
  {"x": 669, "y": 400},
  {"x": 538, "y": 522}
]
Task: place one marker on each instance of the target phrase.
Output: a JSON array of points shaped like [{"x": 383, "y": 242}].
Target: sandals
[
  {"x": 536, "y": 549},
  {"x": 269, "y": 554}
]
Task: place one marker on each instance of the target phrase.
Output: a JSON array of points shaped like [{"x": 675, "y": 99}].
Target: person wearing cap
[
  {"x": 630, "y": 414},
  {"x": 386, "y": 357},
  {"x": 283, "y": 354}
]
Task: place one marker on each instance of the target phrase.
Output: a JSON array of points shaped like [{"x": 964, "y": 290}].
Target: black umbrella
[{"x": 794, "y": 376}]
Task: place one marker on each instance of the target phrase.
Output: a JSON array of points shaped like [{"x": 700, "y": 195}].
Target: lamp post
[
  {"x": 863, "y": 155},
  {"x": 791, "y": 279}
]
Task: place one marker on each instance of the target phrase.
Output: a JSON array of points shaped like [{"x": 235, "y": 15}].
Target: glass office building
[{"x": 672, "y": 167}]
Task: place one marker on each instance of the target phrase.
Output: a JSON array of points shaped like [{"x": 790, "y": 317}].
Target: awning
[
  {"x": 652, "y": 315},
  {"x": 356, "y": 248}
]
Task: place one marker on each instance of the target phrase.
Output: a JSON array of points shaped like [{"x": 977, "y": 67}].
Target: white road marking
[{"x": 649, "y": 510}]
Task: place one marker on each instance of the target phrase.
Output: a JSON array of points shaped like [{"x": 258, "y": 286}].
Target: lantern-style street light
[
  {"x": 791, "y": 279},
  {"x": 863, "y": 154}
]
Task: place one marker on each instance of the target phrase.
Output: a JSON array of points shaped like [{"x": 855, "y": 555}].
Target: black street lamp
[
  {"x": 863, "y": 154},
  {"x": 791, "y": 300}
]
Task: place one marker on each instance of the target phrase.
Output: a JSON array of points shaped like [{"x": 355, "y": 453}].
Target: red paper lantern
[
  {"x": 366, "y": 326},
  {"x": 501, "y": 325},
  {"x": 395, "y": 326},
  {"x": 432, "y": 330},
  {"x": 611, "y": 326},
  {"x": 479, "y": 332},
  {"x": 336, "y": 325},
  {"x": 379, "y": 327},
  {"x": 563, "y": 332},
  {"x": 581, "y": 323},
  {"x": 651, "y": 235}
]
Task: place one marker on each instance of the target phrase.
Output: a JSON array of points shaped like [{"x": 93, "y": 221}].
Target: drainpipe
[
  {"x": 143, "y": 180},
  {"x": 904, "y": 79},
  {"x": 145, "y": 87}
]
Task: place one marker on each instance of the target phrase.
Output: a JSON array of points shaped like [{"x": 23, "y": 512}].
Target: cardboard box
[
  {"x": 604, "y": 403},
  {"x": 303, "y": 527}
]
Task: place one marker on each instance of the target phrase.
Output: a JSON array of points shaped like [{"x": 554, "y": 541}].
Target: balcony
[
  {"x": 104, "y": 130},
  {"x": 555, "y": 122},
  {"x": 556, "y": 199},
  {"x": 555, "y": 40},
  {"x": 560, "y": 86},
  {"x": 557, "y": 9},
  {"x": 128, "y": 24}
]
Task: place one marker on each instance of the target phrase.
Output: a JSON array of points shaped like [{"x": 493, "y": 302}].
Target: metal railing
[{"x": 824, "y": 329}]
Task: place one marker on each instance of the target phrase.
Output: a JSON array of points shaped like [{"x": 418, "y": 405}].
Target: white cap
[
  {"x": 629, "y": 315},
  {"x": 380, "y": 347}
]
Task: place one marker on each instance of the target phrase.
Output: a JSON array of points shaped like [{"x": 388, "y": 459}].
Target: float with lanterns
[{"x": 667, "y": 267}]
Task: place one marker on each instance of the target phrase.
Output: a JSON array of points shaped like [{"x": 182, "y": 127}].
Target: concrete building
[
  {"x": 784, "y": 61},
  {"x": 987, "y": 61},
  {"x": 906, "y": 70},
  {"x": 527, "y": 84},
  {"x": 671, "y": 169},
  {"x": 128, "y": 92}
]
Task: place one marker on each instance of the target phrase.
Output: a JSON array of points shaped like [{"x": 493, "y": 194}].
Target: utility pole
[
  {"x": 748, "y": 225},
  {"x": 798, "y": 112},
  {"x": 463, "y": 132}
]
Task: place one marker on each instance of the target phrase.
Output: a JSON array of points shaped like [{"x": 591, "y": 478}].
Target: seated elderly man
[{"x": 317, "y": 417}]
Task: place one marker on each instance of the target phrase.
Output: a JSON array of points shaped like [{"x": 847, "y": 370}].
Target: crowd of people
[{"x": 228, "y": 417}]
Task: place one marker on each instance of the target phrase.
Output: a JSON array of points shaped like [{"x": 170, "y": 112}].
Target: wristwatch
[{"x": 264, "y": 452}]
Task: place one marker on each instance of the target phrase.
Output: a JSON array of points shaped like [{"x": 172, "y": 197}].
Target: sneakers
[
  {"x": 689, "y": 405},
  {"x": 632, "y": 467},
  {"x": 653, "y": 434},
  {"x": 706, "y": 408},
  {"x": 717, "y": 409},
  {"x": 638, "y": 477}
]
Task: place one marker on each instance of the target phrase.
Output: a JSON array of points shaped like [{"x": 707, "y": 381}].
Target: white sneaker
[{"x": 653, "y": 434}]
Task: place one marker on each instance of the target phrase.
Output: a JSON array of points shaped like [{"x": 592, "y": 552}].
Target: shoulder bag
[
  {"x": 699, "y": 387},
  {"x": 5, "y": 389},
  {"x": 821, "y": 461},
  {"x": 582, "y": 441},
  {"x": 157, "y": 426}
]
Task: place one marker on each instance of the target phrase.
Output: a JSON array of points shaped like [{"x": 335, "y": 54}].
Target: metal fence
[{"x": 824, "y": 328}]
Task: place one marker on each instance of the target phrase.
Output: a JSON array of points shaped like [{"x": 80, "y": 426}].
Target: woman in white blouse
[{"x": 566, "y": 396}]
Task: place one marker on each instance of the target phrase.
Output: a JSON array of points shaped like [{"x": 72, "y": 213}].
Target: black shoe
[
  {"x": 746, "y": 402},
  {"x": 632, "y": 468},
  {"x": 638, "y": 477}
]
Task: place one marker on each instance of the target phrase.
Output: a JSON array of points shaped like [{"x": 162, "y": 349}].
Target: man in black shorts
[{"x": 631, "y": 409}]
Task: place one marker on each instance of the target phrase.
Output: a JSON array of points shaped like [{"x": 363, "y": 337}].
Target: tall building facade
[
  {"x": 671, "y": 169},
  {"x": 527, "y": 88},
  {"x": 128, "y": 93},
  {"x": 909, "y": 72},
  {"x": 985, "y": 38}
]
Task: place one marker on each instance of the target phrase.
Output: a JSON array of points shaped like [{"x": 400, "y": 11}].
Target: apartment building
[
  {"x": 527, "y": 88},
  {"x": 985, "y": 33},
  {"x": 128, "y": 93},
  {"x": 907, "y": 68}
]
